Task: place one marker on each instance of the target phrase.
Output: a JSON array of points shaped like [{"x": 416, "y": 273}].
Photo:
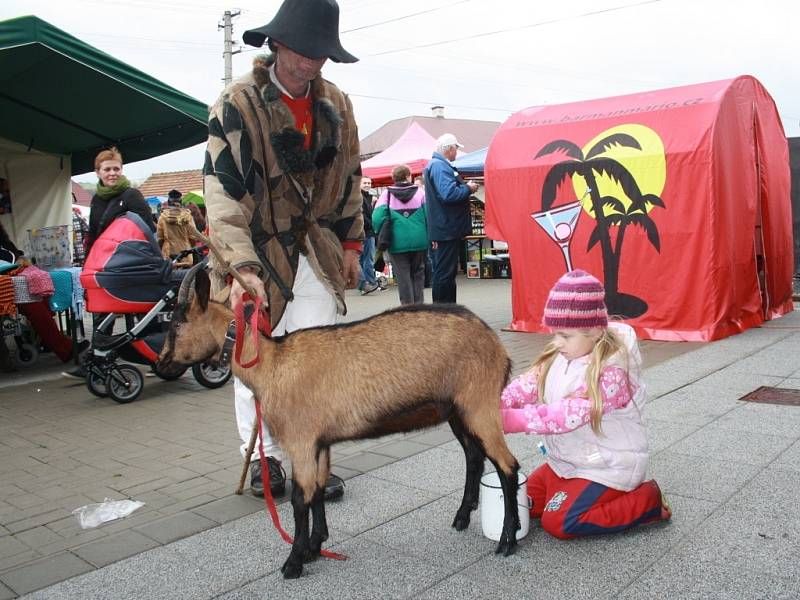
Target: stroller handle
[{"x": 199, "y": 251}]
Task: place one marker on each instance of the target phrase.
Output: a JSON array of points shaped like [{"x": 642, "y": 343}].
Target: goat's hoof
[
  {"x": 291, "y": 570},
  {"x": 507, "y": 545},
  {"x": 461, "y": 522},
  {"x": 312, "y": 555}
]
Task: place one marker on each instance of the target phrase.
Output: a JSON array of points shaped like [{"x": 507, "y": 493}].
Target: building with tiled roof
[
  {"x": 473, "y": 134},
  {"x": 80, "y": 196},
  {"x": 160, "y": 184}
]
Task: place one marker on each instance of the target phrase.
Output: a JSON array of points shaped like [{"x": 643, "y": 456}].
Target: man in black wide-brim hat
[{"x": 282, "y": 191}]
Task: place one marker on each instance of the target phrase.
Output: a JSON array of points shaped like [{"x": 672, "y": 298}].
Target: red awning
[{"x": 694, "y": 241}]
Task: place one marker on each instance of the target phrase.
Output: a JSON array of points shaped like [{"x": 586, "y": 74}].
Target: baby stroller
[
  {"x": 25, "y": 339},
  {"x": 125, "y": 274}
]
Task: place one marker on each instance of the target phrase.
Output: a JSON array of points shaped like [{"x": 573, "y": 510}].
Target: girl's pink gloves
[{"x": 521, "y": 411}]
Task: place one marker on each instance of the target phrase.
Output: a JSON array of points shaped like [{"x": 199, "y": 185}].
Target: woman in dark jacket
[{"x": 114, "y": 196}]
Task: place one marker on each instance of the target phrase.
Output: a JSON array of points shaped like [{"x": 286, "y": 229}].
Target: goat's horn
[
  {"x": 224, "y": 265},
  {"x": 186, "y": 284}
]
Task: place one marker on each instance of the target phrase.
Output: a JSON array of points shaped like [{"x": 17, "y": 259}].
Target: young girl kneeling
[{"x": 584, "y": 395}]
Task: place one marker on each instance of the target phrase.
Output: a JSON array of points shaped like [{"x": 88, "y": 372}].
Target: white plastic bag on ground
[{"x": 93, "y": 515}]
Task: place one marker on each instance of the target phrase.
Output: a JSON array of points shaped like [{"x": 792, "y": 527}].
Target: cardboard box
[{"x": 473, "y": 270}]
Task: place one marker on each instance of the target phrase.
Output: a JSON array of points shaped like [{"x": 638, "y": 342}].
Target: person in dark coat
[
  {"x": 447, "y": 209},
  {"x": 114, "y": 196},
  {"x": 367, "y": 283}
]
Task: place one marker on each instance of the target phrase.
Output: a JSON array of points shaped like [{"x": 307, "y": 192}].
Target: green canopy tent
[
  {"x": 61, "y": 96},
  {"x": 61, "y": 101},
  {"x": 194, "y": 197}
]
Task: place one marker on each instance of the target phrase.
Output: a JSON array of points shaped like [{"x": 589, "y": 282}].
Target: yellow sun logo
[{"x": 647, "y": 165}]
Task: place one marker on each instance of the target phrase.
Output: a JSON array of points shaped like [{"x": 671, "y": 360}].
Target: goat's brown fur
[{"x": 402, "y": 370}]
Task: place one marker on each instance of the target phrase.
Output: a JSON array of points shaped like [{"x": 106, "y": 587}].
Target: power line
[
  {"x": 401, "y": 18},
  {"x": 392, "y": 20},
  {"x": 430, "y": 103},
  {"x": 521, "y": 65},
  {"x": 145, "y": 39},
  {"x": 158, "y": 5},
  {"x": 510, "y": 29}
]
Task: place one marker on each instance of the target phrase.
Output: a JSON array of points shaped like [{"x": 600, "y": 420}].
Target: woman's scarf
[{"x": 106, "y": 192}]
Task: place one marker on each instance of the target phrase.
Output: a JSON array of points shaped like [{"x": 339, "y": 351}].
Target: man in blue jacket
[{"x": 447, "y": 212}]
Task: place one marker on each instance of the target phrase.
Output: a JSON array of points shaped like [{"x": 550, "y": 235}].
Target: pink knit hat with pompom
[{"x": 576, "y": 302}]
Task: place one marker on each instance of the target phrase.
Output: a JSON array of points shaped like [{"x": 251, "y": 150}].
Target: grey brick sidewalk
[{"x": 729, "y": 468}]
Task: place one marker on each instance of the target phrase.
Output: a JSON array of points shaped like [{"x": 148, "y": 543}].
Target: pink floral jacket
[
  {"x": 522, "y": 411},
  {"x": 618, "y": 456}
]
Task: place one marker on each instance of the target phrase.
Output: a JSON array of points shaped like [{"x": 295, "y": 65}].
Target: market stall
[
  {"x": 55, "y": 121},
  {"x": 677, "y": 199},
  {"x": 414, "y": 148},
  {"x": 471, "y": 165}
]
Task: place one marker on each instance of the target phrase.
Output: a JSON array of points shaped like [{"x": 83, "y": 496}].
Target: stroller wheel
[
  {"x": 26, "y": 355},
  {"x": 96, "y": 382},
  {"x": 211, "y": 375},
  {"x": 124, "y": 383}
]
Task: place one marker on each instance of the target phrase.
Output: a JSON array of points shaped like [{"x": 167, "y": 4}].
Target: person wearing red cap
[
  {"x": 585, "y": 396},
  {"x": 282, "y": 190}
]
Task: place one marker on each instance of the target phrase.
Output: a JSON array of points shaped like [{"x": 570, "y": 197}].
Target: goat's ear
[{"x": 202, "y": 288}]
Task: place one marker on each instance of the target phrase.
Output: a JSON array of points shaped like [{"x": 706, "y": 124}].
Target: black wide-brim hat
[{"x": 309, "y": 27}]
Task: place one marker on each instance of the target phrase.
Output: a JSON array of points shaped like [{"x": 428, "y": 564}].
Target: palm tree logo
[{"x": 614, "y": 197}]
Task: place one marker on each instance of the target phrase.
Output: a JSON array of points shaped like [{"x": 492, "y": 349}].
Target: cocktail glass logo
[{"x": 617, "y": 178}]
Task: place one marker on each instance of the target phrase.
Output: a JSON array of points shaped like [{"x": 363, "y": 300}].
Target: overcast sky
[{"x": 481, "y": 59}]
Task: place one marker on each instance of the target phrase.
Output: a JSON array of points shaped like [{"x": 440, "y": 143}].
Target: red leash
[{"x": 259, "y": 321}]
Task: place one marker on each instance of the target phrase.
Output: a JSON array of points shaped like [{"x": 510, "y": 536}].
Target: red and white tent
[
  {"x": 414, "y": 148},
  {"x": 677, "y": 199}
]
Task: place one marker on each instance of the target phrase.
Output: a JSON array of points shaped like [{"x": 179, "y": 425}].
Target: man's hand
[
  {"x": 473, "y": 187},
  {"x": 253, "y": 280},
  {"x": 351, "y": 269}
]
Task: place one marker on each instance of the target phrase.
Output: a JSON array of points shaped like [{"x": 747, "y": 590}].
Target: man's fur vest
[{"x": 269, "y": 199}]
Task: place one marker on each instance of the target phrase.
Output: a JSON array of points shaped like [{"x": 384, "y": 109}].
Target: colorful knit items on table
[
  {"x": 62, "y": 296},
  {"x": 576, "y": 302},
  {"x": 22, "y": 294},
  {"x": 7, "y": 305},
  {"x": 39, "y": 282}
]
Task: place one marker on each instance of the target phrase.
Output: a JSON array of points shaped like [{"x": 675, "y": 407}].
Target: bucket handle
[{"x": 529, "y": 503}]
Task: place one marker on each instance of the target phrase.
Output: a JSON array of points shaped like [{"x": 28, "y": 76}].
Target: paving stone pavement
[{"x": 729, "y": 468}]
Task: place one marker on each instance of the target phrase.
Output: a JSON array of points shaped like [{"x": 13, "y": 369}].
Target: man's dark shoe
[
  {"x": 78, "y": 372},
  {"x": 277, "y": 477},
  {"x": 334, "y": 488}
]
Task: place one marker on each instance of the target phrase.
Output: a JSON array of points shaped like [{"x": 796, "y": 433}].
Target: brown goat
[{"x": 402, "y": 370}]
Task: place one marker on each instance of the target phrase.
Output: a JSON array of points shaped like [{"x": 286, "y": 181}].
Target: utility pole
[{"x": 227, "y": 54}]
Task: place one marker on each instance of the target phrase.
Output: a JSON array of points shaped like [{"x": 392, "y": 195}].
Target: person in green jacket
[{"x": 404, "y": 204}]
